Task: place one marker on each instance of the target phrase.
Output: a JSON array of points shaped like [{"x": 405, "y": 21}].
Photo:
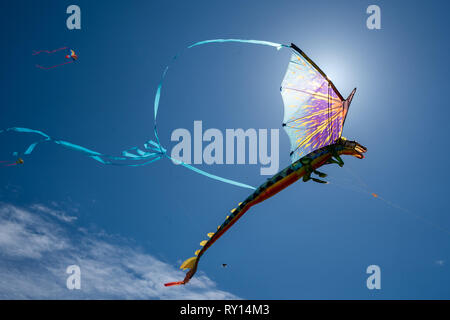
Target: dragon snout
[
  {"x": 359, "y": 150},
  {"x": 355, "y": 149}
]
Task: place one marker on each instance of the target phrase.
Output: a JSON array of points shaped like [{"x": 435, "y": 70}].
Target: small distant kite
[
  {"x": 6, "y": 164},
  {"x": 71, "y": 55}
]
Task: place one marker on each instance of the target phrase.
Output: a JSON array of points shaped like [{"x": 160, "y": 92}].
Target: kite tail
[
  {"x": 176, "y": 283},
  {"x": 47, "y": 51},
  {"x": 54, "y": 66},
  {"x": 278, "y": 46},
  {"x": 152, "y": 151},
  {"x": 132, "y": 157},
  {"x": 7, "y": 163},
  {"x": 235, "y": 215},
  {"x": 10, "y": 164},
  {"x": 191, "y": 264}
]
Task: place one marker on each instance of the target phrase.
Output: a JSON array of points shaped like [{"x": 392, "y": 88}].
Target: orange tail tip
[{"x": 176, "y": 283}]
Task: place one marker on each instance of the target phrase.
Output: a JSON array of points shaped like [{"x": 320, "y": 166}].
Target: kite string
[{"x": 365, "y": 189}]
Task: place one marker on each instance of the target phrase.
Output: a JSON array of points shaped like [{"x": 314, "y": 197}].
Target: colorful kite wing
[{"x": 313, "y": 108}]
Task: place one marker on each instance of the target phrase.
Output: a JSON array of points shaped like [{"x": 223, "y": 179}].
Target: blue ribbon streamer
[{"x": 154, "y": 151}]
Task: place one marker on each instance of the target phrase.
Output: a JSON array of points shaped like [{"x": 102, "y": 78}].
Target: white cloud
[
  {"x": 36, "y": 249},
  {"x": 59, "y": 214},
  {"x": 23, "y": 235}
]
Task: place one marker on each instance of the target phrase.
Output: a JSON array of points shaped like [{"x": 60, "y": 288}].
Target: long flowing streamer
[{"x": 151, "y": 150}]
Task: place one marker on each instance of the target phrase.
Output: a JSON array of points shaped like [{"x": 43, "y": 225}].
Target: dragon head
[{"x": 351, "y": 148}]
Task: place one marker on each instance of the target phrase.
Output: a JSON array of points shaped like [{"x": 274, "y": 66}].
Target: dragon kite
[{"x": 314, "y": 117}]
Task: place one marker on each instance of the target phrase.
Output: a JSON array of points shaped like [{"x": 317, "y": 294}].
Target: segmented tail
[
  {"x": 176, "y": 283},
  {"x": 192, "y": 262},
  {"x": 52, "y": 67}
]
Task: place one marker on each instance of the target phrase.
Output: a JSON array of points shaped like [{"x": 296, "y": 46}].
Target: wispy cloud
[
  {"x": 59, "y": 214},
  {"x": 36, "y": 249}
]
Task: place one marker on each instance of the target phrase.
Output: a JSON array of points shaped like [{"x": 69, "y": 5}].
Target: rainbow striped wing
[{"x": 313, "y": 109}]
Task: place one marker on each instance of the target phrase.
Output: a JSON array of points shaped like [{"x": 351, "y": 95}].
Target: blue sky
[{"x": 310, "y": 241}]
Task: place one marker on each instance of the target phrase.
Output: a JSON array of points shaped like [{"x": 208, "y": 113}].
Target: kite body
[
  {"x": 302, "y": 168},
  {"x": 72, "y": 55},
  {"x": 314, "y": 116}
]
